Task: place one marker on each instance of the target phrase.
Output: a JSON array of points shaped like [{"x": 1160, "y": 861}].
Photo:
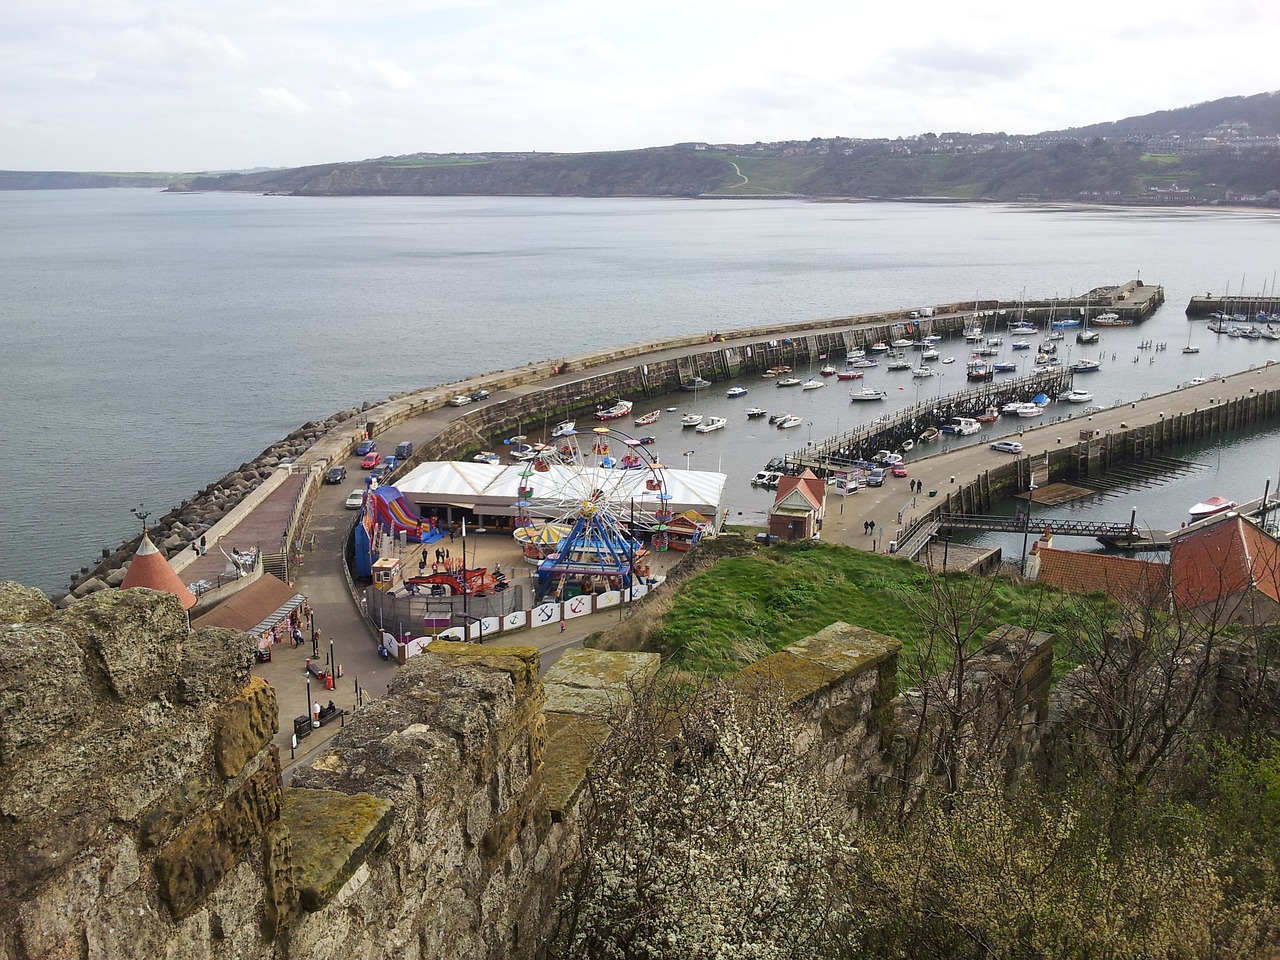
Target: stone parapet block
[
  {"x": 243, "y": 727},
  {"x": 332, "y": 835}
]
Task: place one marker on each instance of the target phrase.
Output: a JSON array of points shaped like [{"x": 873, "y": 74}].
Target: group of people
[
  {"x": 917, "y": 486},
  {"x": 868, "y": 528}
]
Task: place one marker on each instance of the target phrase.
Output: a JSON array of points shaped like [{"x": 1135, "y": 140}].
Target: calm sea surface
[{"x": 154, "y": 342}]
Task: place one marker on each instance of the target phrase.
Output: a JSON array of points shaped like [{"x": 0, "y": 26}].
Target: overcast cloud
[{"x": 228, "y": 84}]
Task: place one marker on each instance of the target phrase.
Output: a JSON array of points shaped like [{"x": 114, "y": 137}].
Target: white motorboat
[
  {"x": 691, "y": 420},
  {"x": 738, "y": 391},
  {"x": 1085, "y": 365},
  {"x": 790, "y": 420},
  {"x": 788, "y": 382},
  {"x": 922, "y": 372},
  {"x": 1030, "y": 410},
  {"x": 711, "y": 423},
  {"x": 902, "y": 343},
  {"x": 948, "y": 359},
  {"x": 1077, "y": 396},
  {"x": 755, "y": 413},
  {"x": 813, "y": 384},
  {"x": 898, "y": 363},
  {"x": 930, "y": 354},
  {"x": 1210, "y": 507},
  {"x": 1021, "y": 345},
  {"x": 866, "y": 393},
  {"x": 564, "y": 428}
]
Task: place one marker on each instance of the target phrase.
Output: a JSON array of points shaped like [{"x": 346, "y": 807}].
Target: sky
[{"x": 138, "y": 85}]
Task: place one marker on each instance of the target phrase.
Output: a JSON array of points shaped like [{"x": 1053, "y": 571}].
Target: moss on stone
[
  {"x": 572, "y": 742},
  {"x": 522, "y": 663},
  {"x": 331, "y": 834}
]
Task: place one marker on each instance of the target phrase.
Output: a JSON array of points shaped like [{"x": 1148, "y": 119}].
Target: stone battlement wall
[{"x": 142, "y": 809}]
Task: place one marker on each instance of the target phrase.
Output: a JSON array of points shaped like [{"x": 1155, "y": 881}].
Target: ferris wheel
[{"x": 587, "y": 516}]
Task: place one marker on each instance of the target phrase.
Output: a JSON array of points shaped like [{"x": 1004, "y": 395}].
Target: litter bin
[{"x": 301, "y": 727}]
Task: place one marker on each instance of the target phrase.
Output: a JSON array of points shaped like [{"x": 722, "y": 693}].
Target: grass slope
[{"x": 742, "y": 608}]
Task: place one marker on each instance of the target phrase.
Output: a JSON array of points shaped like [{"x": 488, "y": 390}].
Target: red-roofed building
[
  {"x": 798, "y": 507},
  {"x": 1227, "y": 571},
  {"x": 150, "y": 569},
  {"x": 1124, "y": 579}
]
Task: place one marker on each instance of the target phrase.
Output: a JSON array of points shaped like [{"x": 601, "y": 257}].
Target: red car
[
  {"x": 371, "y": 460},
  {"x": 899, "y": 469}
]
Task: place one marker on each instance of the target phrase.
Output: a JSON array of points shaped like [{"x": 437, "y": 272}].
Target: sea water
[{"x": 153, "y": 342}]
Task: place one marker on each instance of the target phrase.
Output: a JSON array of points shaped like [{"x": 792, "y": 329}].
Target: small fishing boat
[
  {"x": 650, "y": 417},
  {"x": 694, "y": 383},
  {"x": 1056, "y": 335},
  {"x": 1210, "y": 507},
  {"x": 930, "y": 354},
  {"x": 1087, "y": 336},
  {"x": 1077, "y": 396},
  {"x": 866, "y": 393},
  {"x": 898, "y": 363},
  {"x": 849, "y": 375},
  {"x": 857, "y": 353},
  {"x": 1021, "y": 345},
  {"x": 1084, "y": 365},
  {"x": 995, "y": 341},
  {"x": 755, "y": 413},
  {"x": 1004, "y": 367},
  {"x": 563, "y": 428},
  {"x": 813, "y": 384},
  {"x": 902, "y": 343},
  {"x": 908, "y": 445},
  {"x": 1111, "y": 320},
  {"x": 1027, "y": 410},
  {"x": 1011, "y": 409},
  {"x": 827, "y": 370},
  {"x": 930, "y": 435},
  {"x": 922, "y": 372},
  {"x": 789, "y": 382},
  {"x": 991, "y": 415},
  {"x": 790, "y": 420},
  {"x": 736, "y": 392},
  {"x": 691, "y": 420},
  {"x": 948, "y": 359},
  {"x": 864, "y": 363},
  {"x": 710, "y": 424},
  {"x": 620, "y": 409},
  {"x": 879, "y": 347}
]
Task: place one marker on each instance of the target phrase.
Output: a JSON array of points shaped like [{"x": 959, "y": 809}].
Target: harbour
[{"x": 216, "y": 370}]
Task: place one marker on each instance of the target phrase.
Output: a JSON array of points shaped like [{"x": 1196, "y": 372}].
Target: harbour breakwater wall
[{"x": 152, "y": 819}]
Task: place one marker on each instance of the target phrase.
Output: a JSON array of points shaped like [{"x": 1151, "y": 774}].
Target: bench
[{"x": 326, "y": 717}]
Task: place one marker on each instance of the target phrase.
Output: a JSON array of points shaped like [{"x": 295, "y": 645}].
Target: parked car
[
  {"x": 366, "y": 447},
  {"x": 480, "y": 395},
  {"x": 355, "y": 500},
  {"x": 371, "y": 461},
  {"x": 1007, "y": 446},
  {"x": 380, "y": 471},
  {"x": 461, "y": 400},
  {"x": 404, "y": 449},
  {"x": 899, "y": 469},
  {"x": 876, "y": 477},
  {"x": 335, "y": 475},
  {"x": 391, "y": 461}
]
